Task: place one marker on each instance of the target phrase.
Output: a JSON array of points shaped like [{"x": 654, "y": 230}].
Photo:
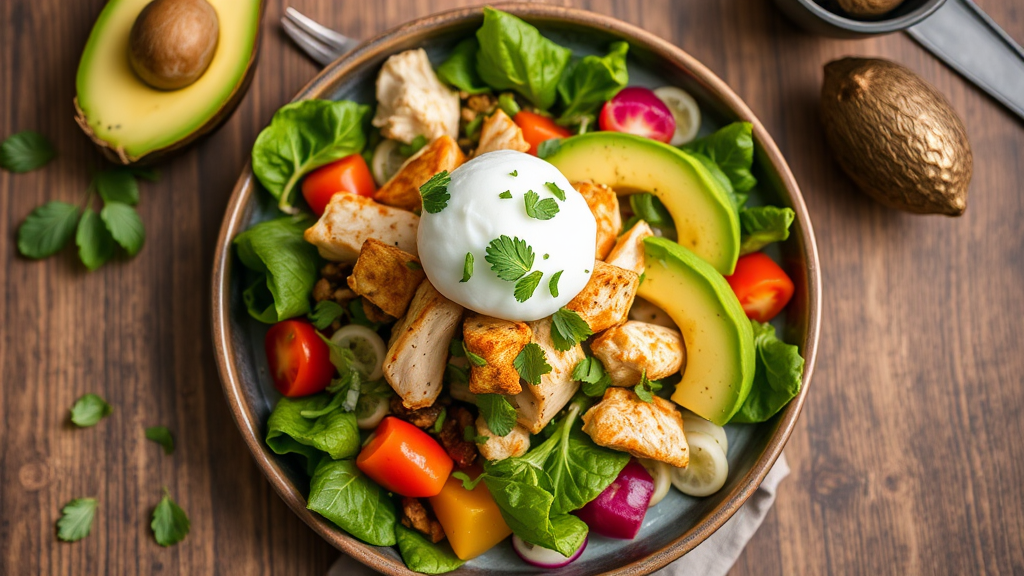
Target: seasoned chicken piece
[
  {"x": 373, "y": 313},
  {"x": 538, "y": 404},
  {"x": 452, "y": 437},
  {"x": 421, "y": 418},
  {"x": 605, "y": 205},
  {"x": 412, "y": 102},
  {"x": 622, "y": 421},
  {"x": 499, "y": 132},
  {"x": 629, "y": 250},
  {"x": 418, "y": 351},
  {"x": 605, "y": 300},
  {"x": 403, "y": 189},
  {"x": 515, "y": 443},
  {"x": 350, "y": 219},
  {"x": 644, "y": 311},
  {"x": 498, "y": 342},
  {"x": 386, "y": 276},
  {"x": 416, "y": 516},
  {"x": 628, "y": 350}
]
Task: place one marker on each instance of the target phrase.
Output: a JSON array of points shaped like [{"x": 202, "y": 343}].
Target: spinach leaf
[
  {"x": 514, "y": 56},
  {"x": 302, "y": 136},
  {"x": 737, "y": 199},
  {"x": 339, "y": 492},
  {"x": 536, "y": 491},
  {"x": 287, "y": 267},
  {"x": 459, "y": 70},
  {"x": 777, "y": 376},
  {"x": 763, "y": 225},
  {"x": 649, "y": 208},
  {"x": 423, "y": 556},
  {"x": 732, "y": 149},
  {"x": 334, "y": 432},
  {"x": 590, "y": 81}
]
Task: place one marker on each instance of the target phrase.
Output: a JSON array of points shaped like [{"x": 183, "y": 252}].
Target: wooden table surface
[{"x": 909, "y": 456}]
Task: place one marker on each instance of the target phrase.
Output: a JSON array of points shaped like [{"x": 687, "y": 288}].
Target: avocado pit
[{"x": 173, "y": 42}]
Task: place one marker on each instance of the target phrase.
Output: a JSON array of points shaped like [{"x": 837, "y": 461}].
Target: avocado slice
[
  {"x": 130, "y": 121},
  {"x": 719, "y": 340},
  {"x": 705, "y": 219}
]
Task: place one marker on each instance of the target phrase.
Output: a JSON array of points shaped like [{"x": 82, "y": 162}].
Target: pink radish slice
[
  {"x": 543, "y": 557},
  {"x": 636, "y": 110},
  {"x": 619, "y": 511}
]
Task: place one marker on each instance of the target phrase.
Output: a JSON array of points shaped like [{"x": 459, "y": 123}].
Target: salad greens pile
[{"x": 284, "y": 265}]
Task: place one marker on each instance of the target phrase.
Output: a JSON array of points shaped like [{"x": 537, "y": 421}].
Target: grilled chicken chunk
[
  {"x": 515, "y": 443},
  {"x": 607, "y": 297},
  {"x": 537, "y": 405},
  {"x": 499, "y": 132},
  {"x": 622, "y": 421},
  {"x": 403, "y": 189},
  {"x": 605, "y": 205},
  {"x": 418, "y": 351},
  {"x": 412, "y": 101},
  {"x": 350, "y": 219},
  {"x": 634, "y": 347},
  {"x": 416, "y": 516},
  {"x": 498, "y": 342},
  {"x": 386, "y": 276},
  {"x": 629, "y": 250}
]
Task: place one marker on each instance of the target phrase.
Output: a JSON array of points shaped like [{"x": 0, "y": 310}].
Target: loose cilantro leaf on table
[
  {"x": 510, "y": 258},
  {"x": 25, "y": 151},
  {"x": 124, "y": 225},
  {"x": 540, "y": 209},
  {"x": 162, "y": 436},
  {"x": 94, "y": 241},
  {"x": 531, "y": 363},
  {"x": 76, "y": 519},
  {"x": 499, "y": 414},
  {"x": 170, "y": 523},
  {"x": 47, "y": 229},
  {"x": 89, "y": 410},
  {"x": 435, "y": 192},
  {"x": 527, "y": 285},
  {"x": 568, "y": 329},
  {"x": 117, "y": 185}
]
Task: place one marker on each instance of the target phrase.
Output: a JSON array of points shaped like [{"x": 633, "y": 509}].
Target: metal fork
[{"x": 319, "y": 42}]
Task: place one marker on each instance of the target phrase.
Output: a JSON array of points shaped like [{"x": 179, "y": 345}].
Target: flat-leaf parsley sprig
[
  {"x": 510, "y": 258},
  {"x": 435, "y": 192}
]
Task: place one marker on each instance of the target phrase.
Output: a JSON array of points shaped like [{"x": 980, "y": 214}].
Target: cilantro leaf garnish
[
  {"x": 505, "y": 195},
  {"x": 89, "y": 410},
  {"x": 25, "y": 151},
  {"x": 645, "y": 388},
  {"x": 553, "y": 283},
  {"x": 540, "y": 209},
  {"x": 469, "y": 435},
  {"x": 435, "y": 192},
  {"x": 439, "y": 423},
  {"x": 162, "y": 436},
  {"x": 47, "y": 229},
  {"x": 499, "y": 414},
  {"x": 170, "y": 524},
  {"x": 510, "y": 258},
  {"x": 527, "y": 285},
  {"x": 76, "y": 519},
  {"x": 514, "y": 173},
  {"x": 531, "y": 363},
  {"x": 558, "y": 192},
  {"x": 568, "y": 329},
  {"x": 591, "y": 373},
  {"x": 467, "y": 482},
  {"x": 474, "y": 358},
  {"x": 457, "y": 348},
  {"x": 467, "y": 268},
  {"x": 325, "y": 313},
  {"x": 456, "y": 374}
]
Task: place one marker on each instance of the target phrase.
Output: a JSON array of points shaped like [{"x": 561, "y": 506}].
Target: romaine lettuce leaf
[{"x": 777, "y": 376}]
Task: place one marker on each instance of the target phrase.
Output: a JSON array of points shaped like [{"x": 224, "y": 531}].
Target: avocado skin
[{"x": 896, "y": 136}]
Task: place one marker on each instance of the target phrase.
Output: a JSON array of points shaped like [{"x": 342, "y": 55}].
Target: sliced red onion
[
  {"x": 544, "y": 557},
  {"x": 619, "y": 511}
]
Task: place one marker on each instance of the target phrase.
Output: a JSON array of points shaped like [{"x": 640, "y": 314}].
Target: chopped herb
[
  {"x": 548, "y": 147},
  {"x": 592, "y": 374},
  {"x": 645, "y": 388},
  {"x": 553, "y": 283},
  {"x": 435, "y": 192},
  {"x": 531, "y": 363},
  {"x": 558, "y": 192},
  {"x": 413, "y": 147},
  {"x": 527, "y": 285},
  {"x": 170, "y": 524},
  {"x": 510, "y": 258},
  {"x": 469, "y": 435},
  {"x": 473, "y": 127},
  {"x": 456, "y": 374},
  {"x": 76, "y": 519},
  {"x": 505, "y": 195},
  {"x": 413, "y": 265},
  {"x": 540, "y": 209},
  {"x": 508, "y": 104},
  {"x": 467, "y": 482},
  {"x": 568, "y": 329},
  {"x": 474, "y": 359},
  {"x": 467, "y": 268},
  {"x": 162, "y": 436},
  {"x": 457, "y": 348},
  {"x": 546, "y": 256},
  {"x": 440, "y": 420},
  {"x": 89, "y": 410},
  {"x": 498, "y": 413},
  {"x": 514, "y": 173}
]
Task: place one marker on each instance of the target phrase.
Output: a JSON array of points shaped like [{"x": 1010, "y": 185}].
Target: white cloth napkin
[{"x": 713, "y": 557}]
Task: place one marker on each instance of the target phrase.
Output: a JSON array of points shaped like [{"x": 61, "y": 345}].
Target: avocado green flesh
[
  {"x": 124, "y": 113},
  {"x": 719, "y": 340},
  {"x": 706, "y": 221}
]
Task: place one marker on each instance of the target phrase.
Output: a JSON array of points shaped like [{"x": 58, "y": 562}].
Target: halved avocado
[
  {"x": 129, "y": 120},
  {"x": 706, "y": 221},
  {"x": 719, "y": 340}
]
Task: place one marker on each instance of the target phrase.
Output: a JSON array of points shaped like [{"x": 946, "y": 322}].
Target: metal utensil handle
[{"x": 967, "y": 39}]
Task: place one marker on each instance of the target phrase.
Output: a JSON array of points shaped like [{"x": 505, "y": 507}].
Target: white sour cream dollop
[{"x": 476, "y": 215}]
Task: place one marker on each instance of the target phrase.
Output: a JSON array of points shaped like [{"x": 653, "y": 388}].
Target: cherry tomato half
[
  {"x": 300, "y": 362},
  {"x": 350, "y": 174},
  {"x": 405, "y": 460},
  {"x": 537, "y": 129},
  {"x": 762, "y": 287}
]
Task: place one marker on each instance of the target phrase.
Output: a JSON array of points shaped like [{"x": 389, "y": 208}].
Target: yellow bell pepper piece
[{"x": 470, "y": 518}]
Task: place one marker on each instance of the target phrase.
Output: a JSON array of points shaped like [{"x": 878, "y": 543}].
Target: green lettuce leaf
[
  {"x": 286, "y": 267},
  {"x": 591, "y": 81},
  {"x": 459, "y": 70},
  {"x": 763, "y": 225},
  {"x": 732, "y": 149},
  {"x": 422, "y": 555},
  {"x": 777, "y": 376},
  {"x": 339, "y": 492},
  {"x": 334, "y": 432},
  {"x": 514, "y": 55},
  {"x": 303, "y": 136}
]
